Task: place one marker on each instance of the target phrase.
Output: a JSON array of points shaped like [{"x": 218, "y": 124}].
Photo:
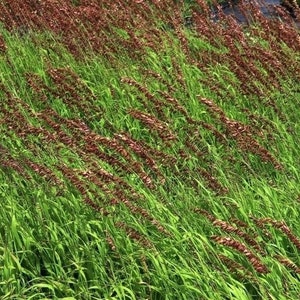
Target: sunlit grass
[{"x": 156, "y": 219}]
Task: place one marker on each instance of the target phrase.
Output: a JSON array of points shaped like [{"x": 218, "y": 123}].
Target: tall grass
[{"x": 142, "y": 158}]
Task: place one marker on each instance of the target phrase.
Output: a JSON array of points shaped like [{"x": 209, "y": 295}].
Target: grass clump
[{"x": 142, "y": 158}]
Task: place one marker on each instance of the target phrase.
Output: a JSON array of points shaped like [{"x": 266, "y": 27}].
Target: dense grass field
[{"x": 146, "y": 157}]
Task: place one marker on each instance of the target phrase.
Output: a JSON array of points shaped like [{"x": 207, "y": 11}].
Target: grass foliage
[{"x": 142, "y": 157}]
